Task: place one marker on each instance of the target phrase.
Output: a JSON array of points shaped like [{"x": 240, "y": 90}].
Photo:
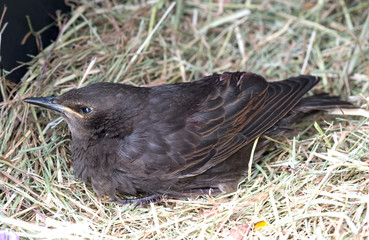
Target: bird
[{"x": 178, "y": 140}]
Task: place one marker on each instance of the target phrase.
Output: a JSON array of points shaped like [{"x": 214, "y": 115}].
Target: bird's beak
[{"x": 47, "y": 102}]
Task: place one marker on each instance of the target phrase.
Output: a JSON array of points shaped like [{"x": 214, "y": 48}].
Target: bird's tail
[
  {"x": 307, "y": 108},
  {"x": 320, "y": 102}
]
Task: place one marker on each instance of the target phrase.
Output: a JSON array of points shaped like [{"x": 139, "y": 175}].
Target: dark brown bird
[{"x": 178, "y": 140}]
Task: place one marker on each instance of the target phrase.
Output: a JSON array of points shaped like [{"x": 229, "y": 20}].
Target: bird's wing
[
  {"x": 219, "y": 116},
  {"x": 281, "y": 97},
  {"x": 246, "y": 116}
]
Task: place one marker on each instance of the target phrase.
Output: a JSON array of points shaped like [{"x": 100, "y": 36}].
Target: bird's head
[{"x": 97, "y": 110}]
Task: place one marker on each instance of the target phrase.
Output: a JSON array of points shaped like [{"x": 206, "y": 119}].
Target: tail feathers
[
  {"x": 308, "y": 107},
  {"x": 320, "y": 102}
]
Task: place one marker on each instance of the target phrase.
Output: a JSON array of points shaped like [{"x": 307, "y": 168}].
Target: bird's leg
[{"x": 141, "y": 201}]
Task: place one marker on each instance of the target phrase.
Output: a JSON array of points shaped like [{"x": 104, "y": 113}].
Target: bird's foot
[{"x": 141, "y": 201}]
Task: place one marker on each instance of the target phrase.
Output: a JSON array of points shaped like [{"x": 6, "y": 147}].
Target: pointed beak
[{"x": 47, "y": 102}]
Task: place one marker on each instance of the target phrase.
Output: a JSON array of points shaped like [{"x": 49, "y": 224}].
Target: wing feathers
[
  {"x": 282, "y": 96},
  {"x": 252, "y": 106},
  {"x": 229, "y": 111}
]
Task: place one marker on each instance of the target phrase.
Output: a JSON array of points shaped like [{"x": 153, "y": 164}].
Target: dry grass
[{"x": 312, "y": 186}]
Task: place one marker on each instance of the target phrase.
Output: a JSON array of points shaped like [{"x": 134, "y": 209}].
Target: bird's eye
[{"x": 86, "y": 109}]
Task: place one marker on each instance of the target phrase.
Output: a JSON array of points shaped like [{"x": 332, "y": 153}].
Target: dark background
[{"x": 41, "y": 13}]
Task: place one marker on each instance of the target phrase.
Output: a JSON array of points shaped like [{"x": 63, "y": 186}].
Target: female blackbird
[{"x": 177, "y": 140}]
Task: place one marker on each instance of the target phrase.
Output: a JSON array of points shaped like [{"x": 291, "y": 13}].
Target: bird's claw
[{"x": 140, "y": 201}]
